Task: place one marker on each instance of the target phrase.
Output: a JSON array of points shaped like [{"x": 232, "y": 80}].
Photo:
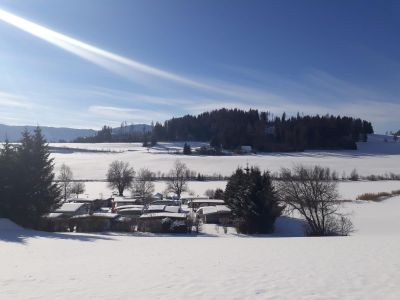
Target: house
[
  {"x": 219, "y": 214},
  {"x": 94, "y": 204},
  {"x": 119, "y": 201},
  {"x": 95, "y": 222},
  {"x": 155, "y": 208},
  {"x": 132, "y": 211},
  {"x": 59, "y": 220},
  {"x": 196, "y": 203},
  {"x": 186, "y": 200},
  {"x": 70, "y": 209},
  {"x": 163, "y": 222}
]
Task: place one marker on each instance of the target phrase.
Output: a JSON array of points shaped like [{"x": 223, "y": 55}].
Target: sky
[{"x": 83, "y": 64}]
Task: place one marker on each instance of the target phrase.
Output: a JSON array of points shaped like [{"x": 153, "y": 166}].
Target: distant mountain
[{"x": 52, "y": 134}]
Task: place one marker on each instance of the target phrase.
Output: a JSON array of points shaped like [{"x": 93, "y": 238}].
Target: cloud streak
[
  {"x": 123, "y": 113},
  {"x": 99, "y": 56}
]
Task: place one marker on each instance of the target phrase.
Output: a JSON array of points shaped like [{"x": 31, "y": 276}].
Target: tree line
[{"x": 232, "y": 128}]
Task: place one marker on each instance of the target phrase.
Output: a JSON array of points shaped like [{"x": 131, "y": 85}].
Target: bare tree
[
  {"x": 143, "y": 186},
  {"x": 77, "y": 188},
  {"x": 65, "y": 178},
  {"x": 310, "y": 192},
  {"x": 177, "y": 178},
  {"x": 120, "y": 176}
]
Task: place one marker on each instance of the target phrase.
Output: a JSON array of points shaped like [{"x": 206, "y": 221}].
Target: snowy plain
[{"x": 214, "y": 265}]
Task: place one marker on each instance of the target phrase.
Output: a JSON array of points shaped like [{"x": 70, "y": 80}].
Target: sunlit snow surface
[{"x": 213, "y": 265}]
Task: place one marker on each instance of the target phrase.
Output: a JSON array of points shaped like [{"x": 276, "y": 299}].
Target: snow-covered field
[
  {"x": 366, "y": 265},
  {"x": 374, "y": 157}
]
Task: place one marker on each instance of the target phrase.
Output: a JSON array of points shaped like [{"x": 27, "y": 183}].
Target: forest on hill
[{"x": 232, "y": 128}]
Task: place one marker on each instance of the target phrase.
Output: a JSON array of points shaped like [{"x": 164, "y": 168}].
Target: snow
[
  {"x": 69, "y": 207},
  {"x": 36, "y": 265},
  {"x": 206, "y": 210},
  {"x": 164, "y": 215}
]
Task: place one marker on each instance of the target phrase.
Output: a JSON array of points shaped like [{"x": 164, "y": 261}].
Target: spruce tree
[
  {"x": 37, "y": 193},
  {"x": 252, "y": 199},
  {"x": 7, "y": 178}
]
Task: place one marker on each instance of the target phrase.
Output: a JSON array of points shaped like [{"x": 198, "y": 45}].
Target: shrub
[{"x": 374, "y": 196}]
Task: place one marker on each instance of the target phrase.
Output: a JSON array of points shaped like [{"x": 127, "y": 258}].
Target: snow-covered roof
[
  {"x": 207, "y": 210},
  {"x": 164, "y": 215},
  {"x": 69, "y": 207},
  {"x": 156, "y": 207},
  {"x": 97, "y": 214},
  {"x": 133, "y": 206},
  {"x": 132, "y": 209},
  {"x": 173, "y": 209},
  {"x": 208, "y": 201},
  {"x": 85, "y": 200},
  {"x": 125, "y": 200}
]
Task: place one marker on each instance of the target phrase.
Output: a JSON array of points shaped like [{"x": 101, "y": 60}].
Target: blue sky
[{"x": 83, "y": 64}]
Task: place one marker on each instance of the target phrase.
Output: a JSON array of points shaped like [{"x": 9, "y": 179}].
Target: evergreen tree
[
  {"x": 253, "y": 201},
  {"x": 7, "y": 178},
  {"x": 187, "y": 150},
  {"x": 36, "y": 193}
]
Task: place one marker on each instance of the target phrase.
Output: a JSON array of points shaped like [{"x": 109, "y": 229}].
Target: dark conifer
[{"x": 253, "y": 201}]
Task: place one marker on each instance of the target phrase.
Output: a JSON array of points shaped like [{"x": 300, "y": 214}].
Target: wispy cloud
[
  {"x": 106, "y": 59},
  {"x": 135, "y": 98},
  {"x": 11, "y": 100},
  {"x": 130, "y": 114}
]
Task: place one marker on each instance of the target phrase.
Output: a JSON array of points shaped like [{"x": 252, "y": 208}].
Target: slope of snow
[{"x": 37, "y": 265}]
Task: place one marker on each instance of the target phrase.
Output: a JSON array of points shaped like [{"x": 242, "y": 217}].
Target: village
[{"x": 161, "y": 215}]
